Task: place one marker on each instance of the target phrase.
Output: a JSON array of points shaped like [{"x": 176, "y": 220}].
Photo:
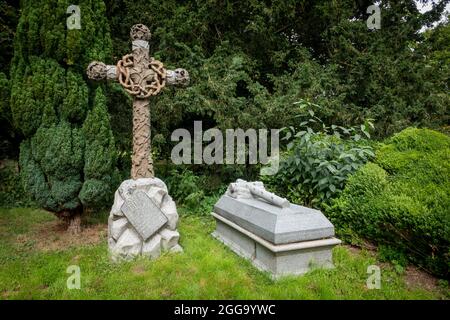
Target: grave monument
[
  {"x": 143, "y": 219},
  {"x": 275, "y": 235}
]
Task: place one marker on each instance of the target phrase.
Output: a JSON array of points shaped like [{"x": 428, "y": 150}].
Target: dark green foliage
[
  {"x": 436, "y": 46},
  {"x": 318, "y": 160},
  {"x": 388, "y": 74},
  {"x": 51, "y": 163},
  {"x": 185, "y": 187},
  {"x": 250, "y": 60},
  {"x": 68, "y": 156},
  {"x": 76, "y": 103},
  {"x": 397, "y": 258},
  {"x": 42, "y": 31},
  {"x": 100, "y": 155},
  {"x": 7, "y": 135},
  {"x": 120, "y": 109},
  {"x": 12, "y": 193},
  {"x": 5, "y": 112},
  {"x": 41, "y": 87},
  {"x": 198, "y": 193},
  {"x": 8, "y": 21},
  {"x": 402, "y": 200},
  {"x": 96, "y": 193}
]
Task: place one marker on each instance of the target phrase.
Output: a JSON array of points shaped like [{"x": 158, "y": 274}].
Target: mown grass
[{"x": 206, "y": 270}]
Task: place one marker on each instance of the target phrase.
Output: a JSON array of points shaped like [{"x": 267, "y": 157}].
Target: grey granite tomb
[{"x": 277, "y": 236}]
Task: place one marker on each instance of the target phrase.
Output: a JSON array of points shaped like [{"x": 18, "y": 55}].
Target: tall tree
[
  {"x": 251, "y": 60},
  {"x": 9, "y": 13},
  {"x": 67, "y": 158}
]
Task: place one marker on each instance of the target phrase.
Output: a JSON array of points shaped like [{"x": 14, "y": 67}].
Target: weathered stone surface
[
  {"x": 145, "y": 184},
  {"x": 279, "y": 260},
  {"x": 242, "y": 189},
  {"x": 176, "y": 249},
  {"x": 123, "y": 233},
  {"x": 118, "y": 203},
  {"x": 152, "y": 247},
  {"x": 142, "y": 76},
  {"x": 143, "y": 214},
  {"x": 117, "y": 227},
  {"x": 111, "y": 244},
  {"x": 129, "y": 245},
  {"x": 157, "y": 195},
  {"x": 170, "y": 210},
  {"x": 169, "y": 238},
  {"x": 178, "y": 77}
]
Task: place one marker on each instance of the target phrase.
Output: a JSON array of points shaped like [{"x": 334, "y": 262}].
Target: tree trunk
[
  {"x": 72, "y": 220},
  {"x": 74, "y": 224}
]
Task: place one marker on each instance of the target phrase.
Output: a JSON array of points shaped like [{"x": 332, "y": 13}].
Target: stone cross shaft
[{"x": 141, "y": 76}]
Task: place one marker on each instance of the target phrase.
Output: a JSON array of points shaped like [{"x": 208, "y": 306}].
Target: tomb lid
[{"x": 293, "y": 223}]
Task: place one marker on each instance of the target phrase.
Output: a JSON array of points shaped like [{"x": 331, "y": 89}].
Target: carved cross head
[{"x": 140, "y": 75}]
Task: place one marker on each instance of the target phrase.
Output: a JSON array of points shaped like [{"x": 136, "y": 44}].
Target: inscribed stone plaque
[{"x": 144, "y": 215}]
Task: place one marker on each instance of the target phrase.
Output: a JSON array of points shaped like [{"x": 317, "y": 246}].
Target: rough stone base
[
  {"x": 279, "y": 260},
  {"x": 124, "y": 241}
]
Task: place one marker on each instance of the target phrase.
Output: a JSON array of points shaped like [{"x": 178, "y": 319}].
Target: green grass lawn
[{"x": 206, "y": 269}]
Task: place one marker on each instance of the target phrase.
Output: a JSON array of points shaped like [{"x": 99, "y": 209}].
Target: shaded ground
[
  {"x": 52, "y": 236},
  {"x": 35, "y": 253},
  {"x": 414, "y": 277}
]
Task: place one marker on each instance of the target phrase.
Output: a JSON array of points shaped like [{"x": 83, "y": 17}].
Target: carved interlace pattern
[
  {"x": 96, "y": 70},
  {"x": 178, "y": 77},
  {"x": 140, "y": 75},
  {"x": 140, "y": 32}
]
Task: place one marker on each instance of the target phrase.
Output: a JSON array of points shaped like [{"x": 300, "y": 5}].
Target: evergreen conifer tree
[{"x": 67, "y": 157}]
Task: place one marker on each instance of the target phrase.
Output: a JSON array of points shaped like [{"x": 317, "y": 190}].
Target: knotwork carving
[
  {"x": 96, "y": 70},
  {"x": 140, "y": 32},
  {"x": 178, "y": 77},
  {"x": 140, "y": 75}
]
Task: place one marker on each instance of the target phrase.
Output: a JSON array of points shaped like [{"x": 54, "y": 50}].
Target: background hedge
[{"x": 402, "y": 199}]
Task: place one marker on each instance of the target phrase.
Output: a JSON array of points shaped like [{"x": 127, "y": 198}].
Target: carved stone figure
[{"x": 244, "y": 189}]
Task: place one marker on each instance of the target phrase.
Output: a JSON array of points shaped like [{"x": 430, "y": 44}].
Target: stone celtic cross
[{"x": 141, "y": 76}]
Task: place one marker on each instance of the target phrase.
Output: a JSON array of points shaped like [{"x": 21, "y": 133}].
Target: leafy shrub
[
  {"x": 184, "y": 185},
  {"x": 191, "y": 191},
  {"x": 395, "y": 257},
  {"x": 319, "y": 159},
  {"x": 402, "y": 199}
]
